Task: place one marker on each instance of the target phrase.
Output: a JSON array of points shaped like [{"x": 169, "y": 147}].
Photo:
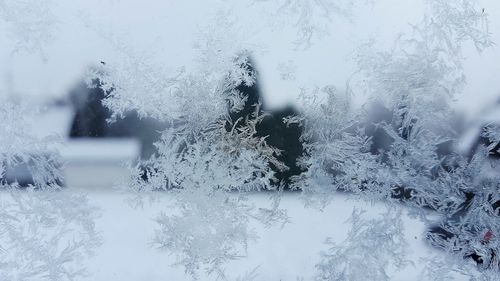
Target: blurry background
[
  {"x": 46, "y": 48},
  {"x": 73, "y": 36}
]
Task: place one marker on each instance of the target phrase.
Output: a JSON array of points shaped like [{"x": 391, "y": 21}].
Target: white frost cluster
[
  {"x": 45, "y": 235},
  {"x": 203, "y": 172},
  {"x": 45, "y": 232},
  {"x": 310, "y": 18},
  {"x": 31, "y": 24},
  {"x": 397, "y": 157},
  {"x": 371, "y": 247},
  {"x": 19, "y": 146}
]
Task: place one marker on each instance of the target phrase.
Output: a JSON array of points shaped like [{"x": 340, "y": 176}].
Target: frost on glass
[
  {"x": 452, "y": 268},
  {"x": 29, "y": 24},
  {"x": 411, "y": 89},
  {"x": 45, "y": 232},
  {"x": 310, "y": 18},
  {"x": 205, "y": 159},
  {"x": 492, "y": 134},
  {"x": 45, "y": 235},
  {"x": 371, "y": 247},
  {"x": 206, "y": 172},
  {"x": 475, "y": 221},
  {"x": 18, "y": 146},
  {"x": 394, "y": 148},
  {"x": 135, "y": 81},
  {"x": 388, "y": 150}
]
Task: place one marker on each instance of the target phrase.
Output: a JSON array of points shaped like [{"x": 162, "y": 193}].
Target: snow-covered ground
[{"x": 280, "y": 253}]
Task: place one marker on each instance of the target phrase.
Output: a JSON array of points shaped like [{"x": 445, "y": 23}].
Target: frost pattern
[
  {"x": 390, "y": 150},
  {"x": 371, "y": 247},
  {"x": 45, "y": 235},
  {"x": 45, "y": 232},
  {"x": 205, "y": 159},
  {"x": 135, "y": 82},
  {"x": 203, "y": 155},
  {"x": 18, "y": 146},
  {"x": 212, "y": 225},
  {"x": 287, "y": 70},
  {"x": 413, "y": 84},
  {"x": 310, "y": 18},
  {"x": 492, "y": 133},
  {"x": 31, "y": 24}
]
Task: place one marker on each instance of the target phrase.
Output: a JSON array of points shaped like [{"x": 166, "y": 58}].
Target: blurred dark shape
[
  {"x": 91, "y": 116},
  {"x": 285, "y": 137},
  {"x": 93, "y": 120},
  {"x": 381, "y": 141}
]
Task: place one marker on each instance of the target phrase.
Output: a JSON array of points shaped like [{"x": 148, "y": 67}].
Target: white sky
[{"x": 166, "y": 30}]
